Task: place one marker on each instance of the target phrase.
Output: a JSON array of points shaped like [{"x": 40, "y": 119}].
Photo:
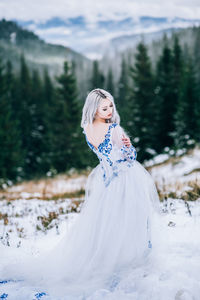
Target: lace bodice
[{"x": 113, "y": 155}]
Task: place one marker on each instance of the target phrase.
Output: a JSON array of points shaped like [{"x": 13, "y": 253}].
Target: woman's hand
[{"x": 126, "y": 141}]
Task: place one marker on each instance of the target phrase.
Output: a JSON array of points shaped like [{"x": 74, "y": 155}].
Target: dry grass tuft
[{"x": 192, "y": 194}]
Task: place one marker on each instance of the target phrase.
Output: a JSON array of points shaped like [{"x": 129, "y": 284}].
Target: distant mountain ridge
[
  {"x": 78, "y": 34},
  {"x": 15, "y": 40}
]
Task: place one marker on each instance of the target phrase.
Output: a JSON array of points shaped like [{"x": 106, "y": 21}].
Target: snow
[
  {"x": 25, "y": 214},
  {"x": 156, "y": 160},
  {"x": 172, "y": 271},
  {"x": 47, "y": 188},
  {"x": 173, "y": 274},
  {"x": 178, "y": 172}
]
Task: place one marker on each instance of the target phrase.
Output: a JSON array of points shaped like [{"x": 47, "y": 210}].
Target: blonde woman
[{"x": 112, "y": 234}]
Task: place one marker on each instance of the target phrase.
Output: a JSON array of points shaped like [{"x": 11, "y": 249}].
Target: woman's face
[{"x": 105, "y": 109}]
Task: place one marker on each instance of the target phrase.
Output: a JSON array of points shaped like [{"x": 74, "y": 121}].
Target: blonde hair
[{"x": 91, "y": 104}]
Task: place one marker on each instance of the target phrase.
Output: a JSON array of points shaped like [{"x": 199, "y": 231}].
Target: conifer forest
[{"x": 158, "y": 102}]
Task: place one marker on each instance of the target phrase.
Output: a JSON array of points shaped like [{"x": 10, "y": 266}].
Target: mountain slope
[{"x": 14, "y": 40}]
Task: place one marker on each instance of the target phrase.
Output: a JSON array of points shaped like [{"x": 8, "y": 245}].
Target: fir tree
[
  {"x": 10, "y": 154},
  {"x": 178, "y": 67},
  {"x": 196, "y": 55},
  {"x": 177, "y": 77},
  {"x": 66, "y": 136},
  {"x": 122, "y": 99},
  {"x": 142, "y": 101},
  {"x": 164, "y": 95},
  {"x": 49, "y": 96},
  {"x": 188, "y": 112},
  {"x": 38, "y": 125},
  {"x": 110, "y": 84},
  {"x": 97, "y": 79},
  {"x": 24, "y": 112}
]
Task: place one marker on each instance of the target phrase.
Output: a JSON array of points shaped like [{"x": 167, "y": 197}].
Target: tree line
[
  {"x": 40, "y": 132},
  {"x": 159, "y": 103}
]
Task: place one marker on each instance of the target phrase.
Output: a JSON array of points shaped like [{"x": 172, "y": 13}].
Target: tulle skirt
[{"x": 111, "y": 235}]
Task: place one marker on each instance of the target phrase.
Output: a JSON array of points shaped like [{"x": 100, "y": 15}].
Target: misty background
[{"x": 52, "y": 54}]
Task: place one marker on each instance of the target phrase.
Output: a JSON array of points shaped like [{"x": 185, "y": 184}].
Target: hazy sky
[
  {"x": 85, "y": 24},
  {"x": 41, "y": 10}
]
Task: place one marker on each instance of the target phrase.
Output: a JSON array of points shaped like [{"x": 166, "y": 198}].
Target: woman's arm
[{"x": 120, "y": 138}]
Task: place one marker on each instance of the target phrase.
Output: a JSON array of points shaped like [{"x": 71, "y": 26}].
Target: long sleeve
[{"x": 128, "y": 152}]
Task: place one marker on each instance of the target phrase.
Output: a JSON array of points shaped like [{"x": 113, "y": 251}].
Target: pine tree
[
  {"x": 177, "y": 77},
  {"x": 188, "y": 112},
  {"x": 38, "y": 125},
  {"x": 196, "y": 55},
  {"x": 24, "y": 112},
  {"x": 50, "y": 102},
  {"x": 97, "y": 79},
  {"x": 164, "y": 96},
  {"x": 178, "y": 67},
  {"x": 109, "y": 83},
  {"x": 122, "y": 99},
  {"x": 142, "y": 101},
  {"x": 66, "y": 136},
  {"x": 10, "y": 154}
]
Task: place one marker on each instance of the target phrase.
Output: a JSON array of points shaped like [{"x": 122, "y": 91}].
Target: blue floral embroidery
[
  {"x": 149, "y": 241},
  {"x": 107, "y": 182},
  {"x": 130, "y": 152},
  {"x": 113, "y": 281},
  {"x": 106, "y": 146},
  {"x": 39, "y": 295},
  {"x": 105, "y": 142},
  {"x": 9, "y": 280},
  {"x": 4, "y": 296},
  {"x": 149, "y": 244},
  {"x": 105, "y": 149}
]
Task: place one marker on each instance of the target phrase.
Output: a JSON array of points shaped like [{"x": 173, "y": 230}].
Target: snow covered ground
[
  {"x": 177, "y": 174},
  {"x": 173, "y": 272}
]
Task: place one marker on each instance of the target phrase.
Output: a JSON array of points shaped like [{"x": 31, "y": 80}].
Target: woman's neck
[{"x": 99, "y": 120}]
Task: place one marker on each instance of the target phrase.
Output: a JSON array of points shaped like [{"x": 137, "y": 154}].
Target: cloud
[
  {"x": 50, "y": 31},
  {"x": 40, "y": 11},
  {"x": 83, "y": 24}
]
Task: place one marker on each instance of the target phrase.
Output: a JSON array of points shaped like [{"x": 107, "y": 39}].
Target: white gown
[{"x": 111, "y": 235}]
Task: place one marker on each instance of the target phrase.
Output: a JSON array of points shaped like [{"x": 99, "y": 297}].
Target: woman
[{"x": 112, "y": 234}]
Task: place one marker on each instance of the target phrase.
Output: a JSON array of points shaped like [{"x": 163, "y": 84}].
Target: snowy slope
[
  {"x": 173, "y": 271},
  {"x": 172, "y": 274},
  {"x": 176, "y": 174}
]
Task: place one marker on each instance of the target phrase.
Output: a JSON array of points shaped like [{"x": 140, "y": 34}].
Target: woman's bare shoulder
[
  {"x": 97, "y": 130},
  {"x": 97, "y": 126}
]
